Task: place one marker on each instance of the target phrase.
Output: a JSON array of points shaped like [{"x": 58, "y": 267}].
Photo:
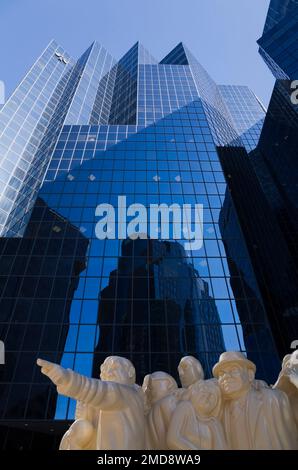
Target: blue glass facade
[
  {"x": 278, "y": 44},
  {"x": 154, "y": 133},
  {"x": 246, "y": 111}
]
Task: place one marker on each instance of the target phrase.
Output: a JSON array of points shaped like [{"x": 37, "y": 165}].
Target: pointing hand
[{"x": 56, "y": 373}]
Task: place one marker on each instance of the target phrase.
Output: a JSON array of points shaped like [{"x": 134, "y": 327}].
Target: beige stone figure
[
  {"x": 190, "y": 371},
  {"x": 160, "y": 391},
  {"x": 147, "y": 395},
  {"x": 288, "y": 381},
  {"x": 196, "y": 424},
  {"x": 252, "y": 418},
  {"x": 115, "y": 397},
  {"x": 82, "y": 433}
]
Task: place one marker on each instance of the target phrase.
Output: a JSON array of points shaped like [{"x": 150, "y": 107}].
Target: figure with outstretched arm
[{"x": 115, "y": 396}]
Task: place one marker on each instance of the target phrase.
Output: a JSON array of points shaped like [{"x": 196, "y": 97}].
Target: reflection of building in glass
[
  {"x": 275, "y": 164},
  {"x": 156, "y": 309},
  {"x": 39, "y": 275},
  {"x": 278, "y": 44},
  {"x": 273, "y": 264},
  {"x": 248, "y": 298}
]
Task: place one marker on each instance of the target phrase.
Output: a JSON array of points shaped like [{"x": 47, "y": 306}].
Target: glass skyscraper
[
  {"x": 77, "y": 134},
  {"x": 275, "y": 164},
  {"x": 278, "y": 44}
]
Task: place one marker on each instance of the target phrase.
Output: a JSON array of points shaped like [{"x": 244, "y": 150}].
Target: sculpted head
[
  {"x": 206, "y": 399},
  {"x": 190, "y": 371},
  {"x": 158, "y": 385},
  {"x": 118, "y": 369},
  {"x": 235, "y": 374}
]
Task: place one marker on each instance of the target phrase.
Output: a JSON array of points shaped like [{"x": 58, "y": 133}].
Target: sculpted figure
[
  {"x": 159, "y": 389},
  {"x": 253, "y": 418},
  {"x": 82, "y": 433},
  {"x": 190, "y": 371},
  {"x": 196, "y": 423},
  {"x": 146, "y": 391},
  {"x": 288, "y": 381},
  {"x": 115, "y": 397}
]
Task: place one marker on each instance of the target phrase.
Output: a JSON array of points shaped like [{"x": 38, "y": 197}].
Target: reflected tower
[{"x": 156, "y": 309}]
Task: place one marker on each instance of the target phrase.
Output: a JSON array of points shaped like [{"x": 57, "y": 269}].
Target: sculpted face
[
  {"x": 234, "y": 380},
  {"x": 159, "y": 385},
  {"x": 205, "y": 398},
  {"x": 190, "y": 371},
  {"x": 117, "y": 369}
]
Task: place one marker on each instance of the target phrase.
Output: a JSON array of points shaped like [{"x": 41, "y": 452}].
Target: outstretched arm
[
  {"x": 95, "y": 392},
  {"x": 57, "y": 374}
]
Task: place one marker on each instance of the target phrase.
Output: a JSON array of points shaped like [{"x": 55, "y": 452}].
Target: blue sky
[{"x": 221, "y": 33}]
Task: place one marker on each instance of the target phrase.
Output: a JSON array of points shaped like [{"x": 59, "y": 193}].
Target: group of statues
[{"x": 232, "y": 410}]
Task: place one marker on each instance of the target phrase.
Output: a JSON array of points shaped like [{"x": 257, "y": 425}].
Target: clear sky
[{"x": 222, "y": 34}]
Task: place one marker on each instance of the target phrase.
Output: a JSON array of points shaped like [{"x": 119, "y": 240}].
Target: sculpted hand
[{"x": 57, "y": 374}]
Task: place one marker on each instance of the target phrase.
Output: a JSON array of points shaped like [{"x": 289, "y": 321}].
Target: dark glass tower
[
  {"x": 275, "y": 164},
  {"x": 156, "y": 133},
  {"x": 278, "y": 44}
]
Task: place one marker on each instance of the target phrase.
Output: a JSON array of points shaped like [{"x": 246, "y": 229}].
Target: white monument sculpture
[
  {"x": 231, "y": 411},
  {"x": 159, "y": 389},
  {"x": 196, "y": 424},
  {"x": 118, "y": 404},
  {"x": 288, "y": 381},
  {"x": 190, "y": 371},
  {"x": 253, "y": 417}
]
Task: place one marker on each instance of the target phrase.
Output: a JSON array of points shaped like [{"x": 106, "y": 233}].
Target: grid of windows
[
  {"x": 163, "y": 89},
  {"x": 31, "y": 121},
  {"x": 277, "y": 10},
  {"x": 217, "y": 114},
  {"x": 79, "y": 143},
  {"x": 23, "y": 123},
  {"x": 115, "y": 293},
  {"x": 278, "y": 44},
  {"x": 247, "y": 113},
  {"x": 98, "y": 65},
  {"x": 124, "y": 101}
]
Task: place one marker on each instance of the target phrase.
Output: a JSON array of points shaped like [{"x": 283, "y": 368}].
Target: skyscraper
[
  {"x": 152, "y": 132},
  {"x": 168, "y": 290},
  {"x": 278, "y": 44},
  {"x": 275, "y": 164}
]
